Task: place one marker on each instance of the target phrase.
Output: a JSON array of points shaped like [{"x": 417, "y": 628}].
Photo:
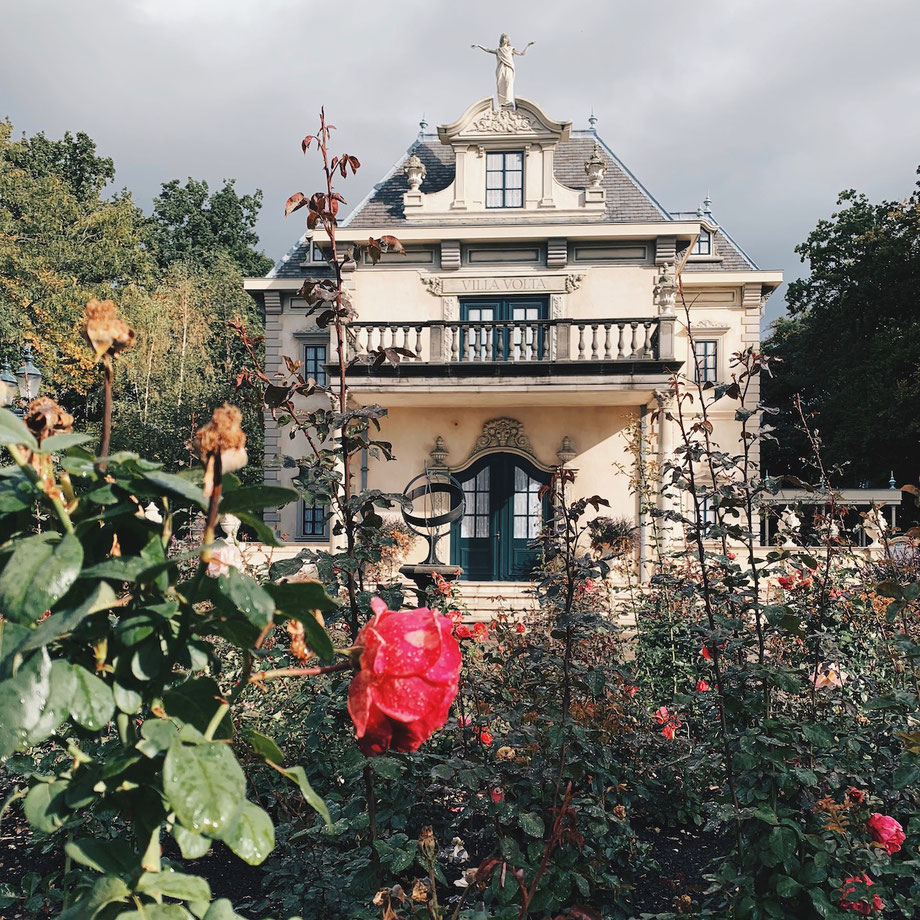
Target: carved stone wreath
[{"x": 505, "y": 120}]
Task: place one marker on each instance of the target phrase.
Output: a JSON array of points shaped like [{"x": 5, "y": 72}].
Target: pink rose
[
  {"x": 887, "y": 832},
  {"x": 410, "y": 673},
  {"x": 222, "y": 558}
]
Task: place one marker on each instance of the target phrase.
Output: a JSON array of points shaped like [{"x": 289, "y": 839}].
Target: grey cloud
[{"x": 771, "y": 108}]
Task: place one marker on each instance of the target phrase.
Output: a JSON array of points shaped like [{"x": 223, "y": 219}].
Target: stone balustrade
[{"x": 516, "y": 341}]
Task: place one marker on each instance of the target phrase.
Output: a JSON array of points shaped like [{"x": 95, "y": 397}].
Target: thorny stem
[
  {"x": 329, "y": 225},
  {"x": 108, "y": 378},
  {"x": 710, "y": 613},
  {"x": 258, "y": 677},
  {"x": 824, "y": 580},
  {"x": 567, "y": 612}
]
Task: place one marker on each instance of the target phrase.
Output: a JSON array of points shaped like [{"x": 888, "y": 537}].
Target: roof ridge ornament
[{"x": 504, "y": 69}]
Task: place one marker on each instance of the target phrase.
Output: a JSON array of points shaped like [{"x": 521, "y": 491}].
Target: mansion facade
[{"x": 538, "y": 298}]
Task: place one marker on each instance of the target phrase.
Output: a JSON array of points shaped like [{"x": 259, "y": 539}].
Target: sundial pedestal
[{"x": 423, "y": 575}]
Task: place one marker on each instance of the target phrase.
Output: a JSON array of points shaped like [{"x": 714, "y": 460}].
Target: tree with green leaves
[
  {"x": 61, "y": 243},
  {"x": 851, "y": 344},
  {"x": 193, "y": 225}
]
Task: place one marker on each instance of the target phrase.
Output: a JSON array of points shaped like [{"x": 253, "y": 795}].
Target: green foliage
[
  {"x": 194, "y": 226},
  {"x": 853, "y": 338},
  {"x": 110, "y": 663}
]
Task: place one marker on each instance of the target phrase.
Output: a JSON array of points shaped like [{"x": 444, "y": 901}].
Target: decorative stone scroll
[
  {"x": 498, "y": 433},
  {"x": 504, "y": 121}
]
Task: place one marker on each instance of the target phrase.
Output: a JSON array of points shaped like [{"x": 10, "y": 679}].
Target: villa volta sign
[{"x": 504, "y": 284}]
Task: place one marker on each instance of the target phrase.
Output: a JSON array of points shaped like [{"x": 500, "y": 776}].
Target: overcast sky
[{"x": 771, "y": 107}]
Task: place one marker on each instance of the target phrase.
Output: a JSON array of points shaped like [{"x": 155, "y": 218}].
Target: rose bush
[{"x": 408, "y": 678}]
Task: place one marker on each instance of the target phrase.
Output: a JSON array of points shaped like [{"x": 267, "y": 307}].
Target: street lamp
[
  {"x": 28, "y": 377},
  {"x": 8, "y": 385}
]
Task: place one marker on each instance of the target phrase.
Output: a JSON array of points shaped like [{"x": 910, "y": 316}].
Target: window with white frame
[
  {"x": 505, "y": 179},
  {"x": 706, "y": 355},
  {"x": 315, "y": 355},
  {"x": 703, "y": 244}
]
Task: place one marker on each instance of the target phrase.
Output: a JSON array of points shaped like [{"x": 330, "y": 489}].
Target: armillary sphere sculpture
[{"x": 434, "y": 501}]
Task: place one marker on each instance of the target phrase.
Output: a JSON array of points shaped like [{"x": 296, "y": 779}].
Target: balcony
[{"x": 521, "y": 355}]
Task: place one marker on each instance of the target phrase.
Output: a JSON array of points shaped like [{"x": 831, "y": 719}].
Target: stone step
[{"x": 483, "y": 600}]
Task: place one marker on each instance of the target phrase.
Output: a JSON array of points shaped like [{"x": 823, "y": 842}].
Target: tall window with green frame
[{"x": 505, "y": 179}]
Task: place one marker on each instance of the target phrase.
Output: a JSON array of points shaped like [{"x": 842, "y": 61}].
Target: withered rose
[
  {"x": 408, "y": 678},
  {"x": 223, "y": 436},
  {"x": 104, "y": 330},
  {"x": 45, "y": 418}
]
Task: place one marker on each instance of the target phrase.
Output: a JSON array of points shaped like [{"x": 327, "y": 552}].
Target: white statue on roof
[{"x": 504, "y": 68}]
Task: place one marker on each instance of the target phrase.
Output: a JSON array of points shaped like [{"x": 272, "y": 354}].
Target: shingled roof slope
[{"x": 628, "y": 201}]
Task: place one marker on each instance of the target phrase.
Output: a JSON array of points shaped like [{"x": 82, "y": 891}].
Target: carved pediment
[
  {"x": 482, "y": 122},
  {"x": 504, "y": 121}
]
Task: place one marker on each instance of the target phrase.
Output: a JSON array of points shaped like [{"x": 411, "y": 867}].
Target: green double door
[{"x": 504, "y": 514}]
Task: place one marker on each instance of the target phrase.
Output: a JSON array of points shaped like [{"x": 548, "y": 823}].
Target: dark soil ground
[{"x": 29, "y": 877}]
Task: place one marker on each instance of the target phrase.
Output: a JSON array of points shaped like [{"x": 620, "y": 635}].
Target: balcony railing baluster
[{"x": 514, "y": 341}]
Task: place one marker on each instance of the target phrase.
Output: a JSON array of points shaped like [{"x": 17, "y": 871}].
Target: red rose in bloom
[
  {"x": 480, "y": 630},
  {"x": 410, "y": 672},
  {"x": 861, "y": 906},
  {"x": 497, "y": 795},
  {"x": 463, "y": 631},
  {"x": 485, "y": 737},
  {"x": 662, "y": 715},
  {"x": 855, "y": 795},
  {"x": 519, "y": 628},
  {"x": 887, "y": 832},
  {"x": 701, "y": 686}
]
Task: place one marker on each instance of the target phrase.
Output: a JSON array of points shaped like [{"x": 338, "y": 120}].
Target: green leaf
[
  {"x": 170, "y": 482},
  {"x": 156, "y": 912},
  {"x": 297, "y": 600},
  {"x": 246, "y": 595},
  {"x": 34, "y": 702},
  {"x": 121, "y": 568},
  {"x": 44, "y": 806},
  {"x": 59, "y": 442},
  {"x": 252, "y": 835},
  {"x": 127, "y": 699},
  {"x": 105, "y": 856},
  {"x": 14, "y": 431},
  {"x": 204, "y": 785},
  {"x": 402, "y": 858},
  {"x": 92, "y": 704},
  {"x": 38, "y": 574},
  {"x": 174, "y": 885},
  {"x": 195, "y": 702},
  {"x": 221, "y": 909},
  {"x": 156, "y": 736},
  {"x": 532, "y": 824},
  {"x": 253, "y": 498},
  {"x": 102, "y": 597},
  {"x": 264, "y": 533},
  {"x": 387, "y": 767},
  {"x": 264, "y": 746},
  {"x": 298, "y": 775},
  {"x": 786, "y": 887},
  {"x": 105, "y": 891},
  {"x": 907, "y": 774},
  {"x": 192, "y": 845},
  {"x": 781, "y": 844}
]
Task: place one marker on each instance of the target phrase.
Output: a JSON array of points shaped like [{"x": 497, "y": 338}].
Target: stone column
[
  {"x": 668, "y": 498},
  {"x": 274, "y": 363}
]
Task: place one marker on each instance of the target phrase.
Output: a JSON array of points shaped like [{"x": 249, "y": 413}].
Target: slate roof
[{"x": 628, "y": 201}]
